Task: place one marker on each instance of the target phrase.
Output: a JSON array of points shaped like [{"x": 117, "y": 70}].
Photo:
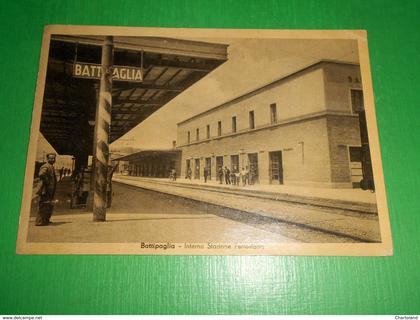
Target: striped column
[{"x": 101, "y": 135}]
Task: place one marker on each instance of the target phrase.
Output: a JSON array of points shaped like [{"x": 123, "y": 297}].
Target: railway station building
[
  {"x": 306, "y": 129},
  {"x": 151, "y": 163}
]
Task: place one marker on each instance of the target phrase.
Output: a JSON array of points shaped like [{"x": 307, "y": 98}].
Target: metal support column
[{"x": 101, "y": 135}]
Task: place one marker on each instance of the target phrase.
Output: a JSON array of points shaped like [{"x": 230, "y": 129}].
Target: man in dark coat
[
  {"x": 47, "y": 191},
  {"x": 227, "y": 175},
  {"x": 61, "y": 173}
]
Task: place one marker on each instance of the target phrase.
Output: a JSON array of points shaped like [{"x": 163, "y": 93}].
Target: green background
[{"x": 229, "y": 285}]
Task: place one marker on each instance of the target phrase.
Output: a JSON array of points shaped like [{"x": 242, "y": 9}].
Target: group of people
[
  {"x": 235, "y": 177},
  {"x": 229, "y": 177},
  {"x": 206, "y": 173}
]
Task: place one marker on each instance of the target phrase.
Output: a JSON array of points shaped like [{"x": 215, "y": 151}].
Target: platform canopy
[
  {"x": 169, "y": 66},
  {"x": 158, "y": 153}
]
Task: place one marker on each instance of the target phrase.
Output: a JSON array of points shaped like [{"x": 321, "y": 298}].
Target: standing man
[
  {"x": 47, "y": 191},
  {"x": 220, "y": 174},
  {"x": 61, "y": 173},
  {"x": 247, "y": 175},
  {"x": 173, "y": 174},
  {"x": 189, "y": 173},
  {"x": 227, "y": 175},
  {"x": 237, "y": 175},
  {"x": 252, "y": 175},
  {"x": 111, "y": 170},
  {"x": 243, "y": 176}
]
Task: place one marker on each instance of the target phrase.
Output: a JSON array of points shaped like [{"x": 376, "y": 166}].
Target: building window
[
  {"x": 197, "y": 169},
  {"x": 251, "y": 120},
  {"x": 189, "y": 137},
  {"x": 219, "y": 128},
  {"x": 233, "y": 124},
  {"x": 197, "y": 134},
  {"x": 273, "y": 113},
  {"x": 208, "y": 131}
]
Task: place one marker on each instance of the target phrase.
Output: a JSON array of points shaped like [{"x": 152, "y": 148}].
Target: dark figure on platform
[
  {"x": 220, "y": 174},
  {"x": 252, "y": 175},
  {"x": 248, "y": 175},
  {"x": 227, "y": 175},
  {"x": 172, "y": 175},
  {"x": 244, "y": 176},
  {"x": 61, "y": 173},
  {"x": 232, "y": 177},
  {"x": 47, "y": 191},
  {"x": 206, "y": 173},
  {"x": 82, "y": 184},
  {"x": 110, "y": 173},
  {"x": 237, "y": 175},
  {"x": 189, "y": 173}
]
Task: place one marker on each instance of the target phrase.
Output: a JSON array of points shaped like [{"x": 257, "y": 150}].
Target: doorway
[
  {"x": 276, "y": 167},
  {"x": 187, "y": 167},
  {"x": 208, "y": 166},
  {"x": 253, "y": 168},
  {"x": 197, "y": 169}
]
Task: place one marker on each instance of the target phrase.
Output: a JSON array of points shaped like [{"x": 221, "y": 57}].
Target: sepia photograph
[{"x": 162, "y": 141}]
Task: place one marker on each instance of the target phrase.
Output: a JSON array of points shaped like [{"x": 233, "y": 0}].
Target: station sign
[{"x": 119, "y": 73}]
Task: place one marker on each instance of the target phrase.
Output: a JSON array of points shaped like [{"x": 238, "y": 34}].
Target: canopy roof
[
  {"x": 169, "y": 65},
  {"x": 160, "y": 153}
]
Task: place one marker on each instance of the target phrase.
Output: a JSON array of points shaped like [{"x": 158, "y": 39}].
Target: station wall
[
  {"x": 309, "y": 138},
  {"x": 296, "y": 97}
]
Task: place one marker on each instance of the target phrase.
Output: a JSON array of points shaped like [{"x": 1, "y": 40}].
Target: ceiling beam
[
  {"x": 58, "y": 120},
  {"x": 119, "y": 102},
  {"x": 133, "y": 113},
  {"x": 155, "y": 45},
  {"x": 52, "y": 115},
  {"x": 147, "y": 86}
]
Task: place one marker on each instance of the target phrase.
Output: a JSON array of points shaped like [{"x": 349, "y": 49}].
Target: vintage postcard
[{"x": 162, "y": 141}]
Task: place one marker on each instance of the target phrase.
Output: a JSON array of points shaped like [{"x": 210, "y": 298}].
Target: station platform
[
  {"x": 148, "y": 205},
  {"x": 346, "y": 199}
]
